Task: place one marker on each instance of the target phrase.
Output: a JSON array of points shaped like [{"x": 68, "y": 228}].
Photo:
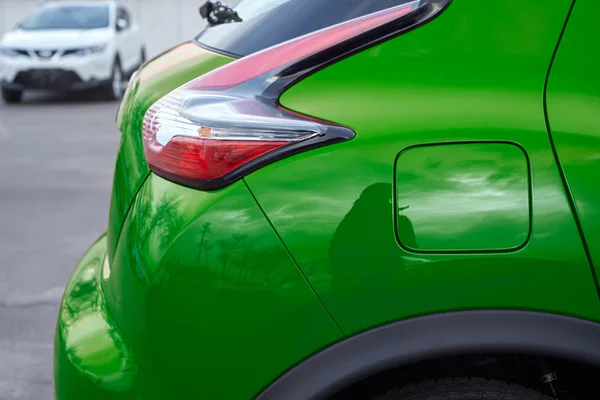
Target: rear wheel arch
[{"x": 439, "y": 335}]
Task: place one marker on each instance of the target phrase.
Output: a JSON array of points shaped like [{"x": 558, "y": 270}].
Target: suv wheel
[
  {"x": 463, "y": 389},
  {"x": 115, "y": 88},
  {"x": 12, "y": 96}
]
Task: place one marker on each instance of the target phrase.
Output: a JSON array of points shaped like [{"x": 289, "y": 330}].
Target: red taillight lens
[
  {"x": 216, "y": 128},
  {"x": 201, "y": 138},
  {"x": 205, "y": 159}
]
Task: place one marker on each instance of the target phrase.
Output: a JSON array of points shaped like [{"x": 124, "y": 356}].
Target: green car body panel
[
  {"x": 158, "y": 77},
  {"x": 573, "y": 98},
  {"x": 215, "y": 294},
  {"x": 462, "y": 82},
  {"x": 180, "y": 294}
]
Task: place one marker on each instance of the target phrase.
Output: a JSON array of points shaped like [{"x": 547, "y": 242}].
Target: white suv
[{"x": 69, "y": 45}]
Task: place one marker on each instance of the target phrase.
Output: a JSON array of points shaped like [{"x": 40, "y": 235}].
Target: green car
[{"x": 352, "y": 199}]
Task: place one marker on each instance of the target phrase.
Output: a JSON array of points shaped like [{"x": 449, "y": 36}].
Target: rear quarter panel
[
  {"x": 206, "y": 296},
  {"x": 157, "y": 78},
  {"x": 476, "y": 73}
]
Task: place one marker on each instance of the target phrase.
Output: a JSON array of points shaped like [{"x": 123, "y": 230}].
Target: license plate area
[{"x": 45, "y": 76}]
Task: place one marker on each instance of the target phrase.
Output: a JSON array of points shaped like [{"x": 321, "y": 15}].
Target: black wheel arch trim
[{"x": 432, "y": 336}]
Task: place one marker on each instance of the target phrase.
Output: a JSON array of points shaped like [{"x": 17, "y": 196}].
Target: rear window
[{"x": 266, "y": 23}]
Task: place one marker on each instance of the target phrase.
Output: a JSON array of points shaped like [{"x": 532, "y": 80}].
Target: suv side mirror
[{"x": 122, "y": 24}]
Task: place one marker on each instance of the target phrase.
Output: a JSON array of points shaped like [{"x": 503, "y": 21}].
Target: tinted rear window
[{"x": 269, "y": 22}]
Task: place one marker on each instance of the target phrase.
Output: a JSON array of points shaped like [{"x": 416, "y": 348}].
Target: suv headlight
[
  {"x": 5, "y": 51},
  {"x": 86, "y": 51}
]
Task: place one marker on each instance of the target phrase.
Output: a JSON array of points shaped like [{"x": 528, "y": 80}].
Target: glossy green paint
[
  {"x": 91, "y": 357},
  {"x": 573, "y": 101},
  {"x": 205, "y": 295},
  {"x": 215, "y": 294},
  {"x": 477, "y": 197},
  {"x": 155, "y": 79},
  {"x": 476, "y": 73}
]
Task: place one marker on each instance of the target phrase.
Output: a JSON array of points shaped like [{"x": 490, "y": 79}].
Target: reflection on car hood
[{"x": 54, "y": 39}]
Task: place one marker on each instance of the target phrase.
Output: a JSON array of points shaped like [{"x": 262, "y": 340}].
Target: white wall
[{"x": 164, "y": 23}]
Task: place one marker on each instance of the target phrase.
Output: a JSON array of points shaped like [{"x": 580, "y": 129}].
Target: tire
[
  {"x": 12, "y": 96},
  {"x": 115, "y": 89},
  {"x": 142, "y": 56},
  {"x": 463, "y": 389}
]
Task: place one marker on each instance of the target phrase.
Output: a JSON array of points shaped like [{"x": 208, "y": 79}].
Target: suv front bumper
[
  {"x": 50, "y": 79},
  {"x": 69, "y": 72}
]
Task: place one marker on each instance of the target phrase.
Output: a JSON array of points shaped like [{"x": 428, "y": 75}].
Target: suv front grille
[
  {"x": 45, "y": 54},
  {"x": 47, "y": 78}
]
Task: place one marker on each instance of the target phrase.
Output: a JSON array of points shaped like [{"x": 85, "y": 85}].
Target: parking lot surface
[{"x": 56, "y": 161}]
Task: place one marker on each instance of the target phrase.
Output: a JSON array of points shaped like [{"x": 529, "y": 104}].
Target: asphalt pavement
[{"x": 57, "y": 155}]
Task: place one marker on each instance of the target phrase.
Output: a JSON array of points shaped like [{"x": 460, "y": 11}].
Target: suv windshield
[
  {"x": 265, "y": 23},
  {"x": 67, "y": 17}
]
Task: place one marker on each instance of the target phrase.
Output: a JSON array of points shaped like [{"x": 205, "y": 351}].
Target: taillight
[{"x": 227, "y": 123}]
